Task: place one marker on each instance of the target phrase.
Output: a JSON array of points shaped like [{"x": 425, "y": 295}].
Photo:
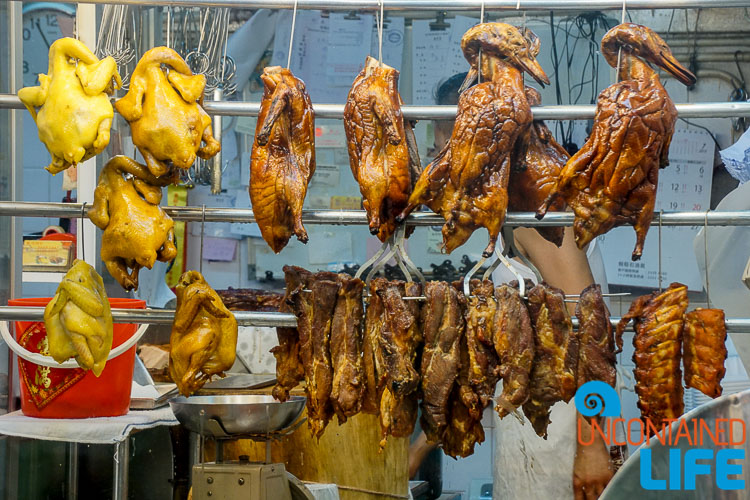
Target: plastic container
[{"x": 74, "y": 393}]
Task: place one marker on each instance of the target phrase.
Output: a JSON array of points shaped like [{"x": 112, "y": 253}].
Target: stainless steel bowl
[{"x": 228, "y": 415}]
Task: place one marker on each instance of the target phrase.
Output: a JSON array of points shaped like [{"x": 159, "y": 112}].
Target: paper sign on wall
[{"x": 685, "y": 185}]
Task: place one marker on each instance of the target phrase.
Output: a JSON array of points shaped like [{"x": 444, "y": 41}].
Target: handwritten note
[
  {"x": 685, "y": 185},
  {"x": 219, "y": 249}
]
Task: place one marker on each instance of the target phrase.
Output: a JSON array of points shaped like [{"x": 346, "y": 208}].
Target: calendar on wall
[{"x": 684, "y": 185}]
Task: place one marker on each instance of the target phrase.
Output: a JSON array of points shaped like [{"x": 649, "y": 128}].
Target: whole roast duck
[
  {"x": 612, "y": 180},
  {"x": 468, "y": 180}
]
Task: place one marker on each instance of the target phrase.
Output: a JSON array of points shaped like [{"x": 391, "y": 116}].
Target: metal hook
[
  {"x": 203, "y": 226},
  {"x": 291, "y": 36},
  {"x": 380, "y": 32},
  {"x": 372, "y": 260},
  {"x": 82, "y": 231},
  {"x": 619, "y": 51},
  {"x": 508, "y": 235},
  {"x": 402, "y": 257},
  {"x": 467, "y": 278}
]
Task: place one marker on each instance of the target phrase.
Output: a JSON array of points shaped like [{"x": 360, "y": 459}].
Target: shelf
[
  {"x": 562, "y": 112},
  {"x": 42, "y": 277}
]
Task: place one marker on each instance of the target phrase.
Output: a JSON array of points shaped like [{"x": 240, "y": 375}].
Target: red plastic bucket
[{"x": 74, "y": 393}]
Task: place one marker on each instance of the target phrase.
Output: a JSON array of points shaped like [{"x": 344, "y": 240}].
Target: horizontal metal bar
[
  {"x": 245, "y": 318},
  {"x": 436, "y": 5},
  {"x": 562, "y": 112},
  {"x": 359, "y": 217},
  {"x": 153, "y": 316}
]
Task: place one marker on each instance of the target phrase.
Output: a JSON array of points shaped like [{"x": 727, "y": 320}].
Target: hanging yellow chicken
[
  {"x": 164, "y": 108},
  {"x": 71, "y": 105},
  {"x": 78, "y": 319},
  {"x": 137, "y": 232},
  {"x": 204, "y": 335}
]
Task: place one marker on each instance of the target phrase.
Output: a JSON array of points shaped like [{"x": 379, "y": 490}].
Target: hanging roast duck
[
  {"x": 468, "y": 180},
  {"x": 612, "y": 179}
]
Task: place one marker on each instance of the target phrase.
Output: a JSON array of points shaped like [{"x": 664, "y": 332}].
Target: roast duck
[
  {"x": 468, "y": 180},
  {"x": 283, "y": 157},
  {"x": 164, "y": 109},
  {"x": 78, "y": 319},
  {"x": 71, "y": 105},
  {"x": 382, "y": 149},
  {"x": 204, "y": 335},
  {"x": 136, "y": 230},
  {"x": 612, "y": 179}
]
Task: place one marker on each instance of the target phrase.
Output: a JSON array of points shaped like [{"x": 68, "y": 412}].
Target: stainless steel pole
[
  {"x": 120, "y": 470},
  {"x": 72, "y": 479}
]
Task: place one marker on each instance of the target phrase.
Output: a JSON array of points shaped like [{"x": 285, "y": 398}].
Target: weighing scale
[{"x": 230, "y": 417}]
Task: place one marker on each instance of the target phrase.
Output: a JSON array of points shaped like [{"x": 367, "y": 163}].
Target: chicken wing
[
  {"x": 659, "y": 319},
  {"x": 70, "y": 106},
  {"x": 513, "y": 339},
  {"x": 346, "y": 349},
  {"x": 78, "y": 319},
  {"x": 204, "y": 335},
  {"x": 704, "y": 350},
  {"x": 443, "y": 327},
  {"x": 164, "y": 107},
  {"x": 136, "y": 231},
  {"x": 535, "y": 169},
  {"x": 283, "y": 157},
  {"x": 468, "y": 180},
  {"x": 378, "y": 149},
  {"x": 553, "y": 377},
  {"x": 596, "y": 355},
  {"x": 612, "y": 180}
]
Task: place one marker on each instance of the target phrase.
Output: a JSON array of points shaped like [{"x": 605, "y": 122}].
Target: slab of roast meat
[
  {"x": 346, "y": 348},
  {"x": 282, "y": 160},
  {"x": 537, "y": 162},
  {"x": 372, "y": 360},
  {"x": 468, "y": 180},
  {"x": 314, "y": 311},
  {"x": 289, "y": 369},
  {"x": 612, "y": 179},
  {"x": 480, "y": 323},
  {"x": 443, "y": 327},
  {"x": 596, "y": 355},
  {"x": 379, "y": 153},
  {"x": 553, "y": 377},
  {"x": 513, "y": 338},
  {"x": 658, "y": 320},
  {"x": 704, "y": 350}
]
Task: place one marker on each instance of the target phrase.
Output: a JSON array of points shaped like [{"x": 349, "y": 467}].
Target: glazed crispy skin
[
  {"x": 136, "y": 230},
  {"x": 283, "y": 157},
  {"x": 612, "y": 179},
  {"x": 346, "y": 349},
  {"x": 468, "y": 180},
  {"x": 480, "y": 324},
  {"x": 398, "y": 343},
  {"x": 596, "y": 355},
  {"x": 203, "y": 342},
  {"x": 165, "y": 110},
  {"x": 704, "y": 350},
  {"x": 378, "y": 149},
  {"x": 314, "y": 313},
  {"x": 658, "y": 326},
  {"x": 443, "y": 326},
  {"x": 513, "y": 339},
  {"x": 538, "y": 160},
  {"x": 553, "y": 376},
  {"x": 289, "y": 366}
]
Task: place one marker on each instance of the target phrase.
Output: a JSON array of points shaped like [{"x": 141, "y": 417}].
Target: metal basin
[
  {"x": 626, "y": 484},
  {"x": 230, "y": 415}
]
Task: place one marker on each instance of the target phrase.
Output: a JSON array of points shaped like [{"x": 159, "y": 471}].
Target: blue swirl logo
[{"x": 597, "y": 398}]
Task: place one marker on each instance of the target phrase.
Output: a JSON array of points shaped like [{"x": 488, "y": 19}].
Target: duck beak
[
  {"x": 471, "y": 77},
  {"x": 669, "y": 63},
  {"x": 532, "y": 67}
]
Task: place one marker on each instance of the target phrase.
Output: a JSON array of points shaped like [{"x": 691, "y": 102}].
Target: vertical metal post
[
  {"x": 217, "y": 163},
  {"x": 86, "y": 183},
  {"x": 72, "y": 479},
  {"x": 120, "y": 470}
]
